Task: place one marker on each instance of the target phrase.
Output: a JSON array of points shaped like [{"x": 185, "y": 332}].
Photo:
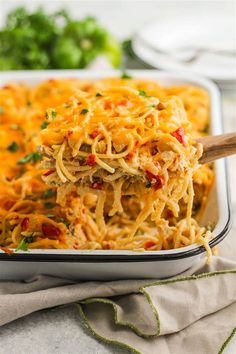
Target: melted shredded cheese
[{"x": 120, "y": 166}]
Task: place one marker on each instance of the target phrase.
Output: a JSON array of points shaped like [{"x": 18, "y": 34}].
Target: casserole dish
[{"x": 120, "y": 264}]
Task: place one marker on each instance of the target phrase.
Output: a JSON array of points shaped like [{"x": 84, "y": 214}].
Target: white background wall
[{"x": 124, "y": 17}]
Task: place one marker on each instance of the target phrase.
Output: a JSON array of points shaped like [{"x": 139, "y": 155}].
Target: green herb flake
[
  {"x": 143, "y": 93},
  {"x": 49, "y": 193},
  {"x": 51, "y": 114},
  {"x": 68, "y": 105},
  {"x": 125, "y": 76},
  {"x": 1, "y": 110},
  {"x": 49, "y": 205},
  {"x": 13, "y": 147},
  {"x": 98, "y": 94},
  {"x": 152, "y": 106},
  {"x": 30, "y": 239},
  {"x": 65, "y": 222},
  {"x": 44, "y": 125},
  {"x": 23, "y": 245},
  {"x": 84, "y": 111},
  {"x": 33, "y": 157},
  {"x": 148, "y": 184}
]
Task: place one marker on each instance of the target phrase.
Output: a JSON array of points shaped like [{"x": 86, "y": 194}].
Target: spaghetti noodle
[{"x": 120, "y": 165}]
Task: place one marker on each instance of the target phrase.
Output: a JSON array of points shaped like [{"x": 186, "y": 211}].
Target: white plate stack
[{"x": 204, "y": 46}]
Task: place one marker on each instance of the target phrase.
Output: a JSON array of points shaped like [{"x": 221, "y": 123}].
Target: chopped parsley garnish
[
  {"x": 54, "y": 114},
  {"x": 44, "y": 125},
  {"x": 13, "y": 147},
  {"x": 125, "y": 76},
  {"x": 1, "y": 110},
  {"x": 32, "y": 157},
  {"x": 152, "y": 106},
  {"x": 68, "y": 105},
  {"x": 51, "y": 114},
  {"x": 49, "y": 193},
  {"x": 65, "y": 222},
  {"x": 148, "y": 184},
  {"x": 30, "y": 239},
  {"x": 23, "y": 245},
  {"x": 98, "y": 94},
  {"x": 143, "y": 93},
  {"x": 49, "y": 205},
  {"x": 84, "y": 111}
]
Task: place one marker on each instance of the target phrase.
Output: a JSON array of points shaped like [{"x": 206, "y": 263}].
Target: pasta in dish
[{"x": 102, "y": 164}]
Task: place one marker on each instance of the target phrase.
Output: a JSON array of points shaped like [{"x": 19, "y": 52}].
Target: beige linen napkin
[{"x": 187, "y": 314}]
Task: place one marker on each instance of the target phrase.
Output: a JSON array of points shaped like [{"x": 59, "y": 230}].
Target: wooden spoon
[{"x": 218, "y": 146}]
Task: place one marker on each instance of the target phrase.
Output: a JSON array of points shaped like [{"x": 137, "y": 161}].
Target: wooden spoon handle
[{"x": 218, "y": 146}]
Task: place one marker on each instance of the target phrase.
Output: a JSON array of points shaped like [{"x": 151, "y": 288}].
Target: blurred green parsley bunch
[{"x": 56, "y": 41}]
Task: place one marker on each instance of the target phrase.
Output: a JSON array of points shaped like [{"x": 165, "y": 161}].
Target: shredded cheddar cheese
[{"x": 102, "y": 164}]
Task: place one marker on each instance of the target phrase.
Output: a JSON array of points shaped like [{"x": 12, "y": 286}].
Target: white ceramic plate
[
  {"x": 169, "y": 44},
  {"x": 115, "y": 264}
]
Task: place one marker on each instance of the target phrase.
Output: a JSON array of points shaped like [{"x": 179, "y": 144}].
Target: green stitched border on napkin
[
  {"x": 228, "y": 340},
  {"x": 101, "y": 338},
  {"x": 177, "y": 280},
  {"x": 117, "y": 322},
  {"x": 154, "y": 309}
]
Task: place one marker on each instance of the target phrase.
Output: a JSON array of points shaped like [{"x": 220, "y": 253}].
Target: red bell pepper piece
[{"x": 179, "y": 134}]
